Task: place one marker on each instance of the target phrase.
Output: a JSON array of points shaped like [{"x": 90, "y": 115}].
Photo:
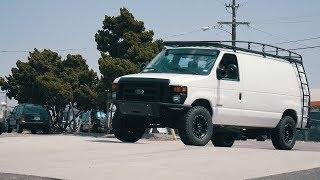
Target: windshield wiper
[
  {"x": 185, "y": 70},
  {"x": 150, "y": 68}
]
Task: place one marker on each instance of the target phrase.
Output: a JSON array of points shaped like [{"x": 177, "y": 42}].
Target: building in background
[{"x": 315, "y": 99}]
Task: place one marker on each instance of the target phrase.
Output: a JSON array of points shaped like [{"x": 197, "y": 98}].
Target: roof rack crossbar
[{"x": 272, "y": 51}]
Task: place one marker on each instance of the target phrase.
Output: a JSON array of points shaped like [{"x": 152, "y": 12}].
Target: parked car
[
  {"x": 215, "y": 91},
  {"x": 96, "y": 122},
  {"x": 29, "y": 116},
  {"x": 2, "y": 122}
]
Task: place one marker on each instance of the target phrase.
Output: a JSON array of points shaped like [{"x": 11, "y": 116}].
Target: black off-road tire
[
  {"x": 124, "y": 131},
  {"x": 284, "y": 135},
  {"x": 9, "y": 129},
  {"x": 195, "y": 127},
  {"x": 2, "y": 127},
  {"x": 19, "y": 128},
  {"x": 45, "y": 130},
  {"x": 223, "y": 139},
  {"x": 34, "y": 131}
]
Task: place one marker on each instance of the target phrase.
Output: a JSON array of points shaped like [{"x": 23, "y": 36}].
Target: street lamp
[{"x": 205, "y": 28}]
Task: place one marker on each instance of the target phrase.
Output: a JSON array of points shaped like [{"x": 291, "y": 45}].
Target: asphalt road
[{"x": 84, "y": 157}]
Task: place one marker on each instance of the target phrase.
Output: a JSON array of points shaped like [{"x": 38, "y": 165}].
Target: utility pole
[{"x": 234, "y": 6}]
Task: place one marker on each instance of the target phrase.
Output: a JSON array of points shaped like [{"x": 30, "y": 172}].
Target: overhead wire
[
  {"x": 299, "y": 40},
  {"x": 26, "y": 51},
  {"x": 306, "y": 47},
  {"x": 221, "y": 2},
  {"x": 273, "y": 35},
  {"x": 184, "y": 33}
]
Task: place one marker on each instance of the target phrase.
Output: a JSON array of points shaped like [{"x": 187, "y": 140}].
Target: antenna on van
[{"x": 234, "y": 23}]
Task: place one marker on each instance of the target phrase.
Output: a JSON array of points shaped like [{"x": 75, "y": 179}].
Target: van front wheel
[
  {"x": 196, "y": 127},
  {"x": 284, "y": 135},
  {"x": 125, "y": 131}
]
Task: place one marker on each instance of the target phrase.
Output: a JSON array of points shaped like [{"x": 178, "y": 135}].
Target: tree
[
  {"x": 124, "y": 43},
  {"x": 54, "y": 83},
  {"x": 1, "y": 81},
  {"x": 113, "y": 68}
]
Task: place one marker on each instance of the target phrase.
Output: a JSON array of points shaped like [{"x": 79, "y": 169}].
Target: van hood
[{"x": 175, "y": 79}]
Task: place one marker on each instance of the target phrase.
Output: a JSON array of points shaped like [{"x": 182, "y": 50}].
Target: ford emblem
[{"x": 139, "y": 91}]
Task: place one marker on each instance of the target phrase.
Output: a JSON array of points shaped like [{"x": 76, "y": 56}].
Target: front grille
[{"x": 154, "y": 90}]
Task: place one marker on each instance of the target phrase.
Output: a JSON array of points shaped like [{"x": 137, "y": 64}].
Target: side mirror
[
  {"x": 142, "y": 66},
  {"x": 220, "y": 73}
]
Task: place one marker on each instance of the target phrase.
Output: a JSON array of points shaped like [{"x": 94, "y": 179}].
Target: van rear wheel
[
  {"x": 223, "y": 139},
  {"x": 196, "y": 127},
  {"x": 284, "y": 135},
  {"x": 124, "y": 131}
]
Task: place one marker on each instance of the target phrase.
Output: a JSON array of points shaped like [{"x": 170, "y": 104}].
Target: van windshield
[{"x": 183, "y": 61}]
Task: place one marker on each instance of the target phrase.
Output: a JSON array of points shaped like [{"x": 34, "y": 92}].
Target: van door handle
[{"x": 240, "y": 96}]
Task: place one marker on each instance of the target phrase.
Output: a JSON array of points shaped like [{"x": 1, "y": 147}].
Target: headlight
[
  {"x": 179, "y": 89},
  {"x": 178, "y": 94}
]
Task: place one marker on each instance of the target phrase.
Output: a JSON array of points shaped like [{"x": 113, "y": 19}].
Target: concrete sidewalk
[{"x": 81, "y": 157}]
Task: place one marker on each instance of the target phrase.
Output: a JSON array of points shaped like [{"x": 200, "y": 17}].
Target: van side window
[{"x": 229, "y": 65}]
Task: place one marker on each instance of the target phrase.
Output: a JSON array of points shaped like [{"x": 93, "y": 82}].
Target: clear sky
[{"x": 59, "y": 24}]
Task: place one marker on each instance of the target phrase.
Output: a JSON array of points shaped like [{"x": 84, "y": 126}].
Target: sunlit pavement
[{"x": 85, "y": 157}]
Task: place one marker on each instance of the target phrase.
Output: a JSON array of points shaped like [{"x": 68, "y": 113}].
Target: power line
[
  {"x": 274, "y": 35},
  {"x": 285, "y": 22},
  {"x": 205, "y": 28},
  {"x": 307, "y": 47},
  {"x": 26, "y": 51},
  {"x": 299, "y": 40},
  {"x": 265, "y": 32},
  {"x": 234, "y": 23},
  {"x": 221, "y": 2},
  {"x": 284, "y": 18},
  {"x": 184, "y": 33}
]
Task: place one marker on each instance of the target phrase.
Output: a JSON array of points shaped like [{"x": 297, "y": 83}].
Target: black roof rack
[{"x": 246, "y": 46}]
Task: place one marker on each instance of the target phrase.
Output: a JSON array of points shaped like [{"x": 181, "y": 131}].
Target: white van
[{"x": 210, "y": 90}]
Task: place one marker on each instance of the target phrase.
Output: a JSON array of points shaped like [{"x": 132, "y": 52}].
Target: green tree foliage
[
  {"x": 124, "y": 43},
  {"x": 54, "y": 83},
  {"x": 1, "y": 81},
  {"x": 113, "y": 68}
]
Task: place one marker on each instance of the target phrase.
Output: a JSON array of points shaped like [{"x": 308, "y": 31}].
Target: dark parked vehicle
[
  {"x": 2, "y": 120},
  {"x": 94, "y": 122},
  {"x": 29, "y": 116},
  {"x": 2, "y": 127}
]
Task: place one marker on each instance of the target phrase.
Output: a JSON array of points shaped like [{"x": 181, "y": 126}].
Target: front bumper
[
  {"x": 27, "y": 124},
  {"x": 148, "y": 109}
]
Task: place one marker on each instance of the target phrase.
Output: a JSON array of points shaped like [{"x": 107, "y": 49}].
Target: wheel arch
[
  {"x": 292, "y": 113},
  {"x": 204, "y": 103}
]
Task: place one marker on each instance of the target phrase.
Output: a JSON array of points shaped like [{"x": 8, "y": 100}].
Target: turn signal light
[{"x": 179, "y": 89}]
